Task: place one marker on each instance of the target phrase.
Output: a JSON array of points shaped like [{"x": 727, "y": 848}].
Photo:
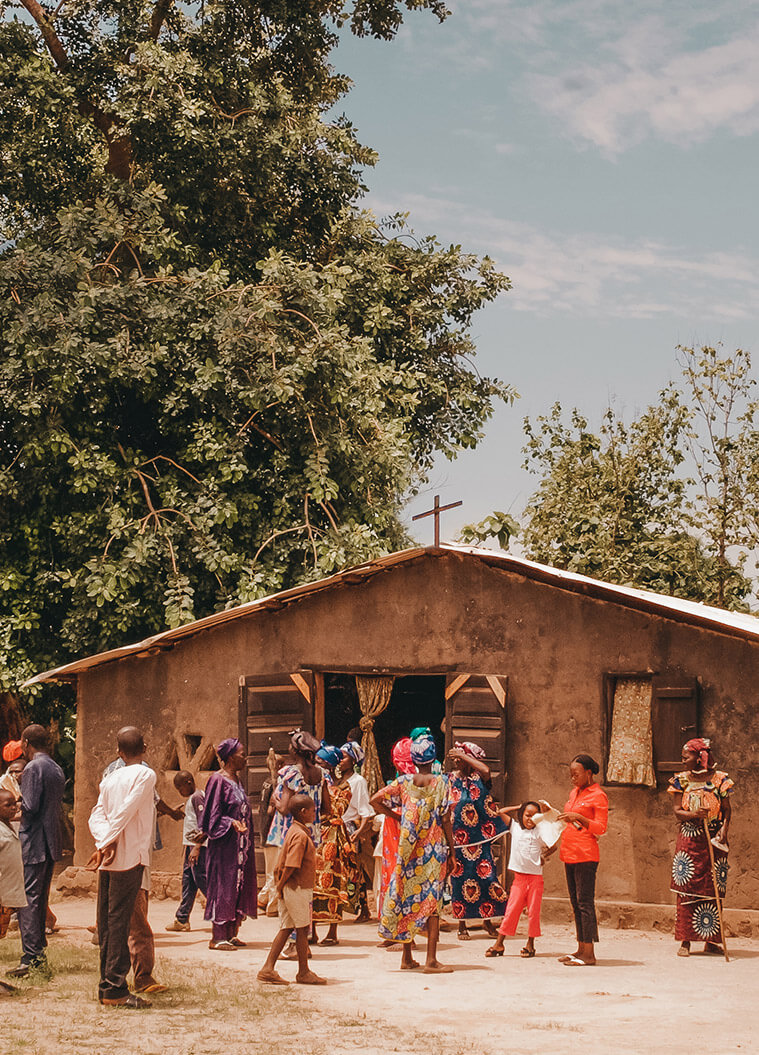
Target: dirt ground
[{"x": 639, "y": 998}]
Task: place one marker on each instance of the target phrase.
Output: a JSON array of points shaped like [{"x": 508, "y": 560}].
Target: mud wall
[{"x": 442, "y": 613}]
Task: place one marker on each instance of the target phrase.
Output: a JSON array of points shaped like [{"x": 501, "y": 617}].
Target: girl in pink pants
[{"x": 528, "y": 853}]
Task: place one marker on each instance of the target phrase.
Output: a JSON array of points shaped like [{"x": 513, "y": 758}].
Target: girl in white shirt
[{"x": 526, "y": 859}]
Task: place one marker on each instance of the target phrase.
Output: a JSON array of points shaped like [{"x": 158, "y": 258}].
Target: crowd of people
[{"x": 423, "y": 843}]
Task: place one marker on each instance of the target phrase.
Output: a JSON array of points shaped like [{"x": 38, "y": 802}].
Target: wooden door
[
  {"x": 476, "y": 710},
  {"x": 271, "y": 706},
  {"x": 674, "y": 719}
]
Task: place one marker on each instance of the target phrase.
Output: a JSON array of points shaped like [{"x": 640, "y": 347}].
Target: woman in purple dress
[{"x": 230, "y": 859}]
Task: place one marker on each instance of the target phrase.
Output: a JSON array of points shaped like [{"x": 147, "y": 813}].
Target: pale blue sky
[{"x": 605, "y": 154}]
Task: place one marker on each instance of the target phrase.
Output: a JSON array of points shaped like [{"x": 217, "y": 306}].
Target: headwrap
[
  {"x": 401, "y": 756},
  {"x": 353, "y": 749},
  {"x": 12, "y": 751},
  {"x": 420, "y": 731},
  {"x": 333, "y": 756},
  {"x": 702, "y": 748},
  {"x": 227, "y": 748},
  {"x": 473, "y": 750},
  {"x": 304, "y": 743},
  {"x": 423, "y": 751}
]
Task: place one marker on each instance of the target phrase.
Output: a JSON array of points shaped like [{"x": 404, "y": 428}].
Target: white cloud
[
  {"x": 595, "y": 276},
  {"x": 615, "y": 74}
]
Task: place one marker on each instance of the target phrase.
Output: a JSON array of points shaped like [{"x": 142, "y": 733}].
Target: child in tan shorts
[{"x": 294, "y": 878}]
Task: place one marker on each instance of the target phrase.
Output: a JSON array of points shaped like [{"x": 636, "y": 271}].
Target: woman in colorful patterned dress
[
  {"x": 700, "y": 801},
  {"x": 336, "y": 885},
  {"x": 476, "y": 892},
  {"x": 230, "y": 857},
  {"x": 420, "y": 805}
]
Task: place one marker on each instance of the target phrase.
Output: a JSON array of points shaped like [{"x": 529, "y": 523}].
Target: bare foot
[
  {"x": 272, "y": 977},
  {"x": 409, "y": 965},
  {"x": 437, "y": 968},
  {"x": 309, "y": 978},
  {"x": 684, "y": 949}
]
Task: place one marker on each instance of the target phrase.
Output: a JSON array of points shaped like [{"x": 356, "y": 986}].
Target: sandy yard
[{"x": 640, "y": 997}]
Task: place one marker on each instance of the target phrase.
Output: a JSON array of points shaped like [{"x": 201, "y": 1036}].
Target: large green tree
[
  {"x": 219, "y": 375},
  {"x": 668, "y": 502}
]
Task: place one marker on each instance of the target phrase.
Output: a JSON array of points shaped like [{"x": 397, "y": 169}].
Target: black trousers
[
  {"x": 581, "y": 884},
  {"x": 31, "y": 918},
  {"x": 117, "y": 893}
]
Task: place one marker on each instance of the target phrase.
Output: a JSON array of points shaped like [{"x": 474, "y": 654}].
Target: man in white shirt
[
  {"x": 358, "y": 821},
  {"x": 123, "y": 825}
]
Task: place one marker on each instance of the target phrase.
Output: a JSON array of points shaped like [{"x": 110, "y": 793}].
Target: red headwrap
[
  {"x": 12, "y": 751},
  {"x": 401, "y": 756},
  {"x": 701, "y": 748}
]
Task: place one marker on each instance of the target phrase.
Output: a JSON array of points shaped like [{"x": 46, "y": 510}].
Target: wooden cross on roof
[{"x": 435, "y": 512}]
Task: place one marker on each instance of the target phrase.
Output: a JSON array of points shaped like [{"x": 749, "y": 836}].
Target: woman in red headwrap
[{"x": 701, "y": 802}]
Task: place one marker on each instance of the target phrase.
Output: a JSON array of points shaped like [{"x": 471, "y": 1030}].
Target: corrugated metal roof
[{"x": 734, "y": 624}]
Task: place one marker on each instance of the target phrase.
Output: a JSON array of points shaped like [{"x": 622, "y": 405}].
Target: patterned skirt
[{"x": 697, "y": 917}]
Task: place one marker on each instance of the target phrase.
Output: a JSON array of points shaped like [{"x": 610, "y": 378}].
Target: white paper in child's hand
[{"x": 548, "y": 826}]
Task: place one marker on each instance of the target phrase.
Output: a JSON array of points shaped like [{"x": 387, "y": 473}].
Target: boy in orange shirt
[{"x": 294, "y": 877}]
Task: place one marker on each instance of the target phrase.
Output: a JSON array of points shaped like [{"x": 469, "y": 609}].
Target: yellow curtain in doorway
[{"x": 373, "y": 697}]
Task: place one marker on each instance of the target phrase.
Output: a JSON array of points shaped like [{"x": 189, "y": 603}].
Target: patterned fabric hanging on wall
[{"x": 631, "y": 747}]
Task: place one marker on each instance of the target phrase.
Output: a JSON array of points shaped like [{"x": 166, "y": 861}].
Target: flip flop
[
  {"x": 329, "y": 941},
  {"x": 575, "y": 961}
]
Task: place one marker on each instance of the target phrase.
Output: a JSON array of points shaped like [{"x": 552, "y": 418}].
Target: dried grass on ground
[{"x": 205, "y": 1012}]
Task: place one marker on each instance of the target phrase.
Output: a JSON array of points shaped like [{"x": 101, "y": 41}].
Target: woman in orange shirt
[{"x": 586, "y": 814}]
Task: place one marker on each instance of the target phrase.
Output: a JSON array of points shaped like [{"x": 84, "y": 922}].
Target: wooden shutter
[
  {"x": 271, "y": 706},
  {"x": 674, "y": 716},
  {"x": 476, "y": 710}
]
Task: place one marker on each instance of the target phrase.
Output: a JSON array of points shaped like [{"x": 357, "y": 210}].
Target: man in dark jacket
[{"x": 42, "y": 785}]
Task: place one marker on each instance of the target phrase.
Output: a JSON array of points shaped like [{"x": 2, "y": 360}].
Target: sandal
[
  {"x": 575, "y": 961},
  {"x": 526, "y": 953},
  {"x": 329, "y": 941},
  {"x": 464, "y": 935},
  {"x": 492, "y": 951}
]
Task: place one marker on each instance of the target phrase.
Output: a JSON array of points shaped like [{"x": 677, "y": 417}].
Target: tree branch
[
  {"x": 160, "y": 11},
  {"x": 54, "y": 45}
]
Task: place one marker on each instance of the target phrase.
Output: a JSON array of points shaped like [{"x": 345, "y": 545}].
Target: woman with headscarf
[
  {"x": 702, "y": 804},
  {"x": 476, "y": 892},
  {"x": 391, "y": 832},
  {"x": 301, "y": 776},
  {"x": 230, "y": 856},
  {"x": 335, "y": 887},
  {"x": 420, "y": 805}
]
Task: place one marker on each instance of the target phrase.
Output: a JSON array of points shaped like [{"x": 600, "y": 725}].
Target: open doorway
[{"x": 418, "y": 699}]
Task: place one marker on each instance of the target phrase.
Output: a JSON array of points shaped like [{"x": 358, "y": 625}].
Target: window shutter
[
  {"x": 674, "y": 713},
  {"x": 476, "y": 710}
]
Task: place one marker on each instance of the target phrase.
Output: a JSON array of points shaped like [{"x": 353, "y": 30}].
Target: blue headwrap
[
  {"x": 420, "y": 731},
  {"x": 423, "y": 750},
  {"x": 353, "y": 749},
  {"x": 227, "y": 748},
  {"x": 331, "y": 755}
]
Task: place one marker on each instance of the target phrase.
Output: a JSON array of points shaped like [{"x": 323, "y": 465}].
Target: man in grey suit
[{"x": 42, "y": 785}]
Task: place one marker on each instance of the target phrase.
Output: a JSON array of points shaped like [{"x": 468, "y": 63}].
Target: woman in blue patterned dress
[
  {"x": 476, "y": 892},
  {"x": 700, "y": 801}
]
